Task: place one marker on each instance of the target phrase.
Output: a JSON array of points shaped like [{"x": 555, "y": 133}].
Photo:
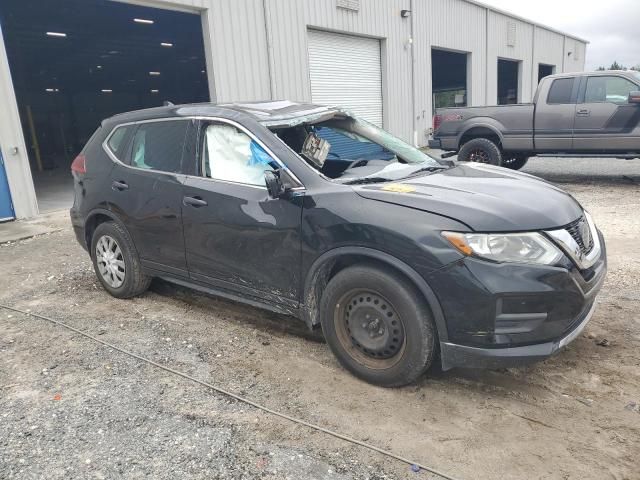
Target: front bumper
[
  {"x": 454, "y": 355},
  {"x": 501, "y": 315}
]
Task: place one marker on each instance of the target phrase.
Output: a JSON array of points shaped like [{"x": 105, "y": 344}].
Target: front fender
[{"x": 321, "y": 267}]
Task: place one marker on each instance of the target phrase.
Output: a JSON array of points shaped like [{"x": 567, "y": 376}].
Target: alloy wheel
[{"x": 479, "y": 155}]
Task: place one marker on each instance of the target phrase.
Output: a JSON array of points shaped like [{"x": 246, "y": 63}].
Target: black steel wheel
[
  {"x": 370, "y": 326},
  {"x": 378, "y": 325}
]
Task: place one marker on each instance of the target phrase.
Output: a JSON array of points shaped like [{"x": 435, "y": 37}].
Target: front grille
[{"x": 581, "y": 233}]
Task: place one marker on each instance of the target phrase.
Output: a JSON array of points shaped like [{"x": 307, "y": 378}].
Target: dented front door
[{"x": 240, "y": 239}]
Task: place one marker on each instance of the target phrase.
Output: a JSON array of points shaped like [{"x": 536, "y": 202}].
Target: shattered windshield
[{"x": 359, "y": 152}]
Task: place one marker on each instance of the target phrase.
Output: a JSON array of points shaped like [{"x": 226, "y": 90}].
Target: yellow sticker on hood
[{"x": 399, "y": 188}]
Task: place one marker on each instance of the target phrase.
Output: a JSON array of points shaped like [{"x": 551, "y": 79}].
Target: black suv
[{"x": 309, "y": 211}]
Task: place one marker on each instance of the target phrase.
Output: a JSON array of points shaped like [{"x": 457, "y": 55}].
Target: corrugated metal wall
[
  {"x": 259, "y": 49},
  {"x": 288, "y": 25},
  {"x": 548, "y": 49},
  {"x": 519, "y": 48},
  {"x": 454, "y": 25}
]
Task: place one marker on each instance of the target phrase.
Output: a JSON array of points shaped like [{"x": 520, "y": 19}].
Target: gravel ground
[{"x": 71, "y": 408}]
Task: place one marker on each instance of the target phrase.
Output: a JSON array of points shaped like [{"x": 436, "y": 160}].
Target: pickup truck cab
[{"x": 585, "y": 114}]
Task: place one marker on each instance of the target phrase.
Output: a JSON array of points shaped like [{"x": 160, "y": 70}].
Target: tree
[{"x": 616, "y": 66}]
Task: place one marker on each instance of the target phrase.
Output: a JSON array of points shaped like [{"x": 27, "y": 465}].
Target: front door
[
  {"x": 146, "y": 189},
  {"x": 237, "y": 237},
  {"x": 6, "y": 207},
  {"x": 605, "y": 120}
]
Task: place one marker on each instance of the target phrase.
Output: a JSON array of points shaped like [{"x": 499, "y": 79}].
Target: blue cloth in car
[{"x": 258, "y": 155}]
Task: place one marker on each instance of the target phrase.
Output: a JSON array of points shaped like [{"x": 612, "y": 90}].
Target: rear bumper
[
  {"x": 449, "y": 143},
  {"x": 454, "y": 355},
  {"x": 435, "y": 143},
  {"x": 78, "y": 228}
]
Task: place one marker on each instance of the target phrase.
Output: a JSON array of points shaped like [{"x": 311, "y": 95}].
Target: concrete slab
[
  {"x": 54, "y": 189},
  {"x": 43, "y": 224}
]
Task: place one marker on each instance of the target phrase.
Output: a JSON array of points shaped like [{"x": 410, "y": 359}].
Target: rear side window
[
  {"x": 560, "y": 91},
  {"x": 117, "y": 142},
  {"x": 159, "y": 146}
]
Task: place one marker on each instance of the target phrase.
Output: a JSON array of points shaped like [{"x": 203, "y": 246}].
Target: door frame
[
  {"x": 13, "y": 145},
  {"x": 4, "y": 184}
]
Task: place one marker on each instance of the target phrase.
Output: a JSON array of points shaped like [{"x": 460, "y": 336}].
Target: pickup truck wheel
[
  {"x": 377, "y": 325},
  {"x": 515, "y": 162},
  {"x": 481, "y": 150}
]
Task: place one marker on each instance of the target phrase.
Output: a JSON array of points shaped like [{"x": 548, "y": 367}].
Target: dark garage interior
[
  {"x": 75, "y": 62},
  {"x": 448, "y": 78},
  {"x": 545, "y": 70},
  {"x": 508, "y": 81}
]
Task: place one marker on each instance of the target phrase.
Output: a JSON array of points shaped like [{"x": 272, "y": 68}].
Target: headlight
[{"x": 506, "y": 247}]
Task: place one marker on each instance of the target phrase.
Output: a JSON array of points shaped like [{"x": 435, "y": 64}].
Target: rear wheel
[
  {"x": 481, "y": 150},
  {"x": 116, "y": 263},
  {"x": 377, "y": 325},
  {"x": 514, "y": 161}
]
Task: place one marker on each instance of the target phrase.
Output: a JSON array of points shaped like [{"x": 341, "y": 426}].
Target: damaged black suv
[{"x": 309, "y": 211}]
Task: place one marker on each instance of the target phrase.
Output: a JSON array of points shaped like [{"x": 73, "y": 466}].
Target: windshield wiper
[
  {"x": 364, "y": 180},
  {"x": 428, "y": 169}
]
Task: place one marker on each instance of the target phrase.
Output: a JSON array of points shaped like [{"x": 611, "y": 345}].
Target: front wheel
[
  {"x": 481, "y": 150},
  {"x": 378, "y": 326},
  {"x": 514, "y": 161}
]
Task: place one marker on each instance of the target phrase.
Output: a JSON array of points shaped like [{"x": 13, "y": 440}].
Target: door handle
[
  {"x": 584, "y": 112},
  {"x": 194, "y": 202},
  {"x": 119, "y": 185}
]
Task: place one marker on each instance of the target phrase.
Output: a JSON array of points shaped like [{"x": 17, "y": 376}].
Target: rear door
[
  {"x": 237, "y": 238},
  {"x": 146, "y": 192},
  {"x": 605, "y": 120},
  {"x": 555, "y": 114}
]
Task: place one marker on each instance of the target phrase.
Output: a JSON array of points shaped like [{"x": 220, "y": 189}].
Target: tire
[
  {"x": 481, "y": 150},
  {"x": 514, "y": 162},
  {"x": 377, "y": 325},
  {"x": 129, "y": 280}
]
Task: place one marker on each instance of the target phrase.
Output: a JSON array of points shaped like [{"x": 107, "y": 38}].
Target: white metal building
[{"x": 390, "y": 61}]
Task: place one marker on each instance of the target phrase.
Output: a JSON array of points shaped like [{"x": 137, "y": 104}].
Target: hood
[{"x": 484, "y": 197}]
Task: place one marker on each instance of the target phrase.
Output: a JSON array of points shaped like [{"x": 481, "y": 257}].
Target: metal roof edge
[{"x": 523, "y": 19}]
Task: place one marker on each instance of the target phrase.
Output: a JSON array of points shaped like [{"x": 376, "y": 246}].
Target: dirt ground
[{"x": 71, "y": 408}]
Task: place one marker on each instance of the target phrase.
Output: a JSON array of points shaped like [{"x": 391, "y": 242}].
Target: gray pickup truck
[{"x": 586, "y": 114}]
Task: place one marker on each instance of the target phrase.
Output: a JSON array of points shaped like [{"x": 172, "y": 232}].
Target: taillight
[
  {"x": 79, "y": 164},
  {"x": 437, "y": 121}
]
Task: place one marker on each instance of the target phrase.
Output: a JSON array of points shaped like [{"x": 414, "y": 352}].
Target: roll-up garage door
[{"x": 345, "y": 70}]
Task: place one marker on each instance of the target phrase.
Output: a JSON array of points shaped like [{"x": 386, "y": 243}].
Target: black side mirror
[
  {"x": 634, "y": 97},
  {"x": 274, "y": 183}
]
